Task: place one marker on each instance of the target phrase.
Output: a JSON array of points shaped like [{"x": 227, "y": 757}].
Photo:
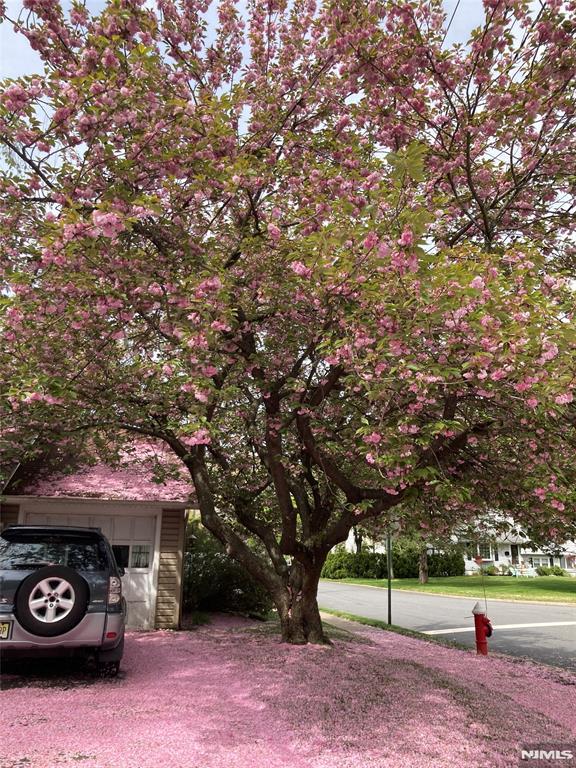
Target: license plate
[{"x": 5, "y": 630}]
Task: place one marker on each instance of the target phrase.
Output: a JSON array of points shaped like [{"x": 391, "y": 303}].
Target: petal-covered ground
[{"x": 229, "y": 696}]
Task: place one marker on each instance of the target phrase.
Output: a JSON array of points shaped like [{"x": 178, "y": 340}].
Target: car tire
[
  {"x": 51, "y": 601},
  {"x": 111, "y": 654},
  {"x": 107, "y": 668}
]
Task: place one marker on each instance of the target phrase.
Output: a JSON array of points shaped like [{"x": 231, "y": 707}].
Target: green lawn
[{"x": 561, "y": 589}]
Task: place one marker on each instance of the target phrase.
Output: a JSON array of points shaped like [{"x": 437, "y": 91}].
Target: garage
[
  {"x": 133, "y": 539},
  {"x": 144, "y": 521}
]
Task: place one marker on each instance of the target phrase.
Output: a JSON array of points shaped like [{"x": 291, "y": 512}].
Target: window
[
  {"x": 132, "y": 555},
  {"x": 484, "y": 551},
  {"x": 24, "y": 550},
  {"x": 538, "y": 561},
  {"x": 140, "y": 556},
  {"x": 121, "y": 553}
]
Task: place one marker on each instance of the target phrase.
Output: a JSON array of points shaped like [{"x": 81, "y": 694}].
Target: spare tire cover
[{"x": 51, "y": 601}]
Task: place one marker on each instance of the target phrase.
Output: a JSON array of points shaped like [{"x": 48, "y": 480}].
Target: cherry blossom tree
[{"x": 322, "y": 255}]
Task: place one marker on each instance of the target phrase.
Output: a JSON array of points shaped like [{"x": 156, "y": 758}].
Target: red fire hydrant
[{"x": 483, "y": 628}]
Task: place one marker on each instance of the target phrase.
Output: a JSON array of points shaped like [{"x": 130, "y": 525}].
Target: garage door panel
[
  {"x": 78, "y": 520},
  {"x": 123, "y": 528},
  {"x": 143, "y": 528}
]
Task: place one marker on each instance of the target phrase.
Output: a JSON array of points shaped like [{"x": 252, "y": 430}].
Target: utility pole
[{"x": 389, "y": 570}]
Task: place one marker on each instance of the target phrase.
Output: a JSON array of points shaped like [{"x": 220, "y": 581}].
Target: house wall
[
  {"x": 169, "y": 591},
  {"x": 8, "y": 515}
]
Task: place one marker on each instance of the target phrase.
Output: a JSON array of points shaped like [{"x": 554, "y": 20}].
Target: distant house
[
  {"x": 517, "y": 550},
  {"x": 144, "y": 521}
]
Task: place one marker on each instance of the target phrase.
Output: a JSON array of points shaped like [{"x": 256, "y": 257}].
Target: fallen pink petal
[{"x": 231, "y": 694}]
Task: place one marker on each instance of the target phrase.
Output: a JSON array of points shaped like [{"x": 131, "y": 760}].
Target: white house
[{"x": 516, "y": 551}]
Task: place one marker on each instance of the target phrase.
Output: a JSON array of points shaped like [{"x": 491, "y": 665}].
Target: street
[{"x": 543, "y": 632}]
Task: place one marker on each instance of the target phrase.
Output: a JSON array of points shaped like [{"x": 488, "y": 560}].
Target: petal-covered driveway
[{"x": 230, "y": 697}]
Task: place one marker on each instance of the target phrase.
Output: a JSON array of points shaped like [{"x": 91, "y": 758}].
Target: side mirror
[{"x": 121, "y": 571}]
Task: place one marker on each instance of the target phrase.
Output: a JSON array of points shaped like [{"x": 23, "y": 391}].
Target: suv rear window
[{"x": 27, "y": 550}]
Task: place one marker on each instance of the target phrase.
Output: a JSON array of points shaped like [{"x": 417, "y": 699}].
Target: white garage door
[{"x": 132, "y": 538}]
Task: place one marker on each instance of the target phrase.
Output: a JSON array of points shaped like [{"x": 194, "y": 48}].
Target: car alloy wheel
[{"x": 52, "y": 600}]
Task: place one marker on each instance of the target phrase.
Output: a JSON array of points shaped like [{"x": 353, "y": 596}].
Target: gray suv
[{"x": 61, "y": 594}]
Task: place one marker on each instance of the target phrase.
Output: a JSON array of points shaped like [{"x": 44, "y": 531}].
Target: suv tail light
[{"x": 114, "y": 590}]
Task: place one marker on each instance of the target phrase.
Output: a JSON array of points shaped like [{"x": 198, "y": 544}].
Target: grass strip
[
  {"x": 545, "y": 589},
  {"x": 378, "y": 624}
]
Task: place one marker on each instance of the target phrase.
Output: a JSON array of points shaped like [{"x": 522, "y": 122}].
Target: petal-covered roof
[{"x": 145, "y": 472}]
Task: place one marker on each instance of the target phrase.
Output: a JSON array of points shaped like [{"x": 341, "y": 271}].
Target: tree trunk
[
  {"x": 423, "y": 566},
  {"x": 297, "y": 606},
  {"x": 358, "y": 537}
]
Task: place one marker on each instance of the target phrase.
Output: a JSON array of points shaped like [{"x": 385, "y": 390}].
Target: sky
[{"x": 17, "y": 58}]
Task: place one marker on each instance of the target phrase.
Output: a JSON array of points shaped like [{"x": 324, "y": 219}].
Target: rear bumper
[{"x": 96, "y": 630}]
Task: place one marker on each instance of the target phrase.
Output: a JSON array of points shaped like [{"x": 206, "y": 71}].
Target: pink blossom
[
  {"x": 274, "y": 232},
  {"x": 564, "y": 399},
  {"x": 34, "y": 397},
  {"x": 406, "y": 238},
  {"x": 155, "y": 289},
  {"x": 210, "y": 285},
  {"x": 301, "y": 269},
  {"x": 341, "y": 123},
  {"x": 477, "y": 283},
  {"x": 374, "y": 438},
  {"x": 15, "y": 97},
  {"x": 549, "y": 351},
  {"x": 107, "y": 224},
  {"x": 371, "y": 240},
  {"x": 109, "y": 59},
  {"x": 202, "y": 396},
  {"x": 397, "y": 347},
  {"x": 200, "y": 437},
  {"x": 218, "y": 325},
  {"x": 532, "y": 402}
]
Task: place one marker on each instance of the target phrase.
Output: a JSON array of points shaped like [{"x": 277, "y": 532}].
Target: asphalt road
[{"x": 434, "y": 613}]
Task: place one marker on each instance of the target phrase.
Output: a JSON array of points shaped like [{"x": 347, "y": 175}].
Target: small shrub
[
  {"x": 405, "y": 560},
  {"x": 213, "y": 581},
  {"x": 550, "y": 570},
  {"x": 450, "y": 563},
  {"x": 490, "y": 570},
  {"x": 341, "y": 564},
  {"x": 338, "y": 565}
]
